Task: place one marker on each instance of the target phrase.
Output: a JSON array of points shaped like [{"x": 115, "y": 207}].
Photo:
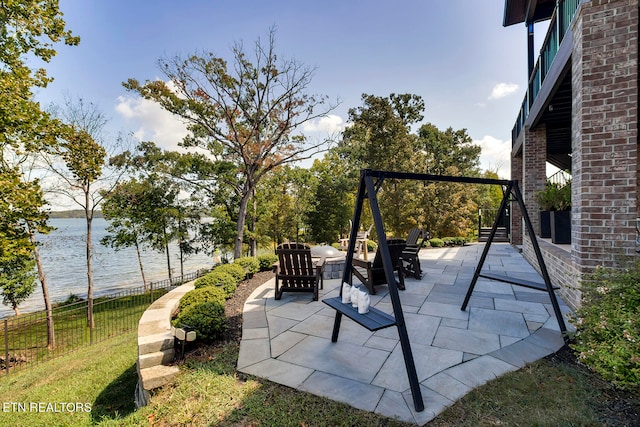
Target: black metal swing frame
[{"x": 370, "y": 183}]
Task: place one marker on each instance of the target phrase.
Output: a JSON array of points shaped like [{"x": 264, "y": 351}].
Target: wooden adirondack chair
[
  {"x": 371, "y": 273},
  {"x": 296, "y": 271},
  {"x": 409, "y": 257}
]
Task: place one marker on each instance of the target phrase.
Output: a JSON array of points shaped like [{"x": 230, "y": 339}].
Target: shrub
[
  {"x": 250, "y": 264},
  {"x": 608, "y": 326},
  {"x": 218, "y": 278},
  {"x": 266, "y": 261},
  {"x": 235, "y": 270},
  {"x": 207, "y": 319},
  {"x": 202, "y": 295},
  {"x": 371, "y": 246},
  {"x": 436, "y": 243},
  {"x": 454, "y": 241}
]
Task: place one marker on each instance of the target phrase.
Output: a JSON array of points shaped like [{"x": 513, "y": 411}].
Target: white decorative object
[
  {"x": 364, "y": 301},
  {"x": 346, "y": 293},
  {"x": 354, "y": 296}
]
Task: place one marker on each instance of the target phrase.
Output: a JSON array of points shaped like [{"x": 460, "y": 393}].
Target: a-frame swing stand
[{"x": 370, "y": 183}]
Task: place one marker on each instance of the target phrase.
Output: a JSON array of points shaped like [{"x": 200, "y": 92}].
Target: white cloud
[
  {"x": 501, "y": 90},
  {"x": 152, "y": 123},
  {"x": 495, "y": 155},
  {"x": 328, "y": 124}
]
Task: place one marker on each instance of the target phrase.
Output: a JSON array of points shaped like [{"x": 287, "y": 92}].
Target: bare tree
[{"x": 247, "y": 114}]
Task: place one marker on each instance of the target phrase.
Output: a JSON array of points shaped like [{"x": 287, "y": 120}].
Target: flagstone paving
[{"x": 504, "y": 327}]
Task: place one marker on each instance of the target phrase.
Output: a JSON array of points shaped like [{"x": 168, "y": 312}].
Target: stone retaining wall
[{"x": 156, "y": 344}]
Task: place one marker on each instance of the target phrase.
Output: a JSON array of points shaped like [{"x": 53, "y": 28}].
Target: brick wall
[
  {"x": 605, "y": 196},
  {"x": 516, "y": 215},
  {"x": 563, "y": 272},
  {"x": 534, "y": 170},
  {"x": 604, "y": 133}
]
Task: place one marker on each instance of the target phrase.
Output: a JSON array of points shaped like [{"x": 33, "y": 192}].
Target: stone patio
[{"x": 504, "y": 328}]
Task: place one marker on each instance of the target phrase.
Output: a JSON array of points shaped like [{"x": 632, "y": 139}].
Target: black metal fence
[{"x": 26, "y": 340}]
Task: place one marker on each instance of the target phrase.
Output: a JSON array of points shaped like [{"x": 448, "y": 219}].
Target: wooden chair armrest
[{"x": 357, "y": 262}]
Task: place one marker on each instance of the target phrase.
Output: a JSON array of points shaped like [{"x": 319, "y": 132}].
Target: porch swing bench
[{"x": 376, "y": 319}]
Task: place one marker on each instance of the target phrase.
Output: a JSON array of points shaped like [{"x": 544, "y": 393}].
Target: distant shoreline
[{"x": 74, "y": 213}]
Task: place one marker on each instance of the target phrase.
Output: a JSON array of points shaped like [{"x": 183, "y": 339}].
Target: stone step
[
  {"x": 157, "y": 376},
  {"x": 156, "y": 342},
  {"x": 163, "y": 357}
]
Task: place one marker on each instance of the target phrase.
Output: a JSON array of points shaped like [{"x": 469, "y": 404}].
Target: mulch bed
[{"x": 617, "y": 407}]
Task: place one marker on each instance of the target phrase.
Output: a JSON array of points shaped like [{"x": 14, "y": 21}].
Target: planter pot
[
  {"x": 545, "y": 224},
  {"x": 561, "y": 227}
]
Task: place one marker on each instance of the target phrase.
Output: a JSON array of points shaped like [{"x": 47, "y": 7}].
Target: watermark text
[{"x": 59, "y": 407}]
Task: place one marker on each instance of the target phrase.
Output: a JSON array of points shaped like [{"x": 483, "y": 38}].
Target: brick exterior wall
[
  {"x": 561, "y": 268},
  {"x": 535, "y": 170},
  {"x": 605, "y": 195},
  {"x": 516, "y": 215},
  {"x": 604, "y": 133}
]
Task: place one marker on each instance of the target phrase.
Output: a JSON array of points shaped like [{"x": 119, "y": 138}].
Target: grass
[
  {"x": 101, "y": 378},
  {"x": 209, "y": 391},
  {"x": 27, "y": 334}
]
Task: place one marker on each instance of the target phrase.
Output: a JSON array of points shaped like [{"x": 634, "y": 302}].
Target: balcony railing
[{"x": 560, "y": 21}]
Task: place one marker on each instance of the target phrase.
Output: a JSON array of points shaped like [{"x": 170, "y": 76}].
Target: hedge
[
  {"x": 250, "y": 264},
  {"x": 207, "y": 319},
  {"x": 218, "y": 278},
  {"x": 202, "y": 295}
]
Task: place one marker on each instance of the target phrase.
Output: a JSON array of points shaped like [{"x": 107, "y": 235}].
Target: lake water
[{"x": 64, "y": 259}]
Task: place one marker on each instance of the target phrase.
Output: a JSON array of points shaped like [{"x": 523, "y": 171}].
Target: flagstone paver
[{"x": 504, "y": 327}]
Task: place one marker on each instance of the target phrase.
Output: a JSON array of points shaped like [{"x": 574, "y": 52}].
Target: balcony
[{"x": 548, "y": 97}]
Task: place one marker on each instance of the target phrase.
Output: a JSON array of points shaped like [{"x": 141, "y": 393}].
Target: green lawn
[{"x": 209, "y": 391}]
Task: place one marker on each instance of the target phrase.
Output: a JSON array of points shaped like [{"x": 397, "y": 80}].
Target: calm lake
[{"x": 64, "y": 259}]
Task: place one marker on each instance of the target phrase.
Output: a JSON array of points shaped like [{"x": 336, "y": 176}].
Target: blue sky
[{"x": 470, "y": 70}]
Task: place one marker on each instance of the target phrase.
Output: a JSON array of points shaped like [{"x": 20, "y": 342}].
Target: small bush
[
  {"x": 266, "y": 261},
  {"x": 608, "y": 326},
  {"x": 235, "y": 270},
  {"x": 208, "y": 320},
  {"x": 436, "y": 243},
  {"x": 218, "y": 278},
  {"x": 371, "y": 246},
  {"x": 202, "y": 295},
  {"x": 454, "y": 241},
  {"x": 250, "y": 264}
]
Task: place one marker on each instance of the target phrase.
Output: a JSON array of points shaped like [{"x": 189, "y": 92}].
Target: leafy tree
[
  {"x": 333, "y": 201},
  {"x": 123, "y": 208},
  {"x": 30, "y": 29},
  {"x": 442, "y": 149},
  {"x": 381, "y": 137},
  {"x": 20, "y": 204},
  {"x": 17, "y": 280},
  {"x": 276, "y": 208},
  {"x": 245, "y": 114}
]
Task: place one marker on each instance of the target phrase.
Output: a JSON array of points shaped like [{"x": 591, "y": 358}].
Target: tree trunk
[
  {"x": 51, "y": 337},
  {"x": 166, "y": 249},
  {"x": 144, "y": 279},
  {"x": 15, "y": 309},
  {"x": 89, "y": 217},
  {"x": 254, "y": 241},
  {"x": 242, "y": 216},
  {"x": 181, "y": 257}
]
